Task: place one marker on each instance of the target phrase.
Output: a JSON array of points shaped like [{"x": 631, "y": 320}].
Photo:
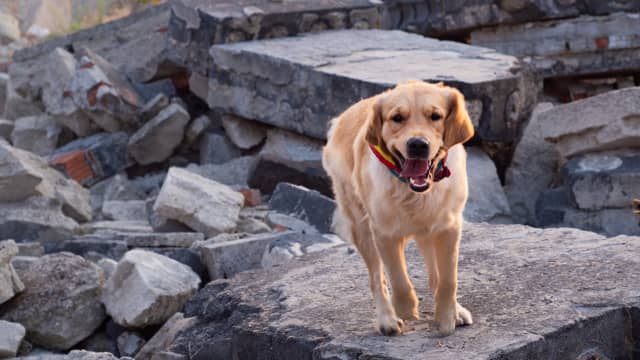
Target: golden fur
[{"x": 379, "y": 214}]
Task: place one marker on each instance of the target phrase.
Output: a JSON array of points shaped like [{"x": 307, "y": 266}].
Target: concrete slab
[
  {"x": 196, "y": 25},
  {"x": 535, "y": 294},
  {"x": 580, "y": 46},
  {"x": 300, "y": 83}
]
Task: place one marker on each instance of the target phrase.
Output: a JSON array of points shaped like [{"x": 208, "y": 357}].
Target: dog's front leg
[{"x": 448, "y": 312}]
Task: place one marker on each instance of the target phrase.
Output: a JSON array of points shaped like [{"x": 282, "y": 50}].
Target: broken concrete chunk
[
  {"x": 36, "y": 134},
  {"x": 293, "y": 245},
  {"x": 147, "y": 289},
  {"x": 243, "y": 133},
  {"x": 36, "y": 219},
  {"x": 487, "y": 201},
  {"x": 135, "y": 210},
  {"x": 233, "y": 173},
  {"x": 24, "y": 174},
  {"x": 10, "y": 283},
  {"x": 129, "y": 343},
  {"x": 288, "y": 157},
  {"x": 603, "y": 122},
  {"x": 60, "y": 305},
  {"x": 12, "y": 335},
  {"x": 197, "y": 127},
  {"x": 304, "y": 204},
  {"x": 158, "y": 138},
  {"x": 9, "y": 28},
  {"x": 204, "y": 205},
  {"x": 165, "y": 336},
  {"x": 217, "y": 149},
  {"x": 173, "y": 240},
  {"x": 532, "y": 168},
  {"x": 153, "y": 107},
  {"x": 89, "y": 160}
]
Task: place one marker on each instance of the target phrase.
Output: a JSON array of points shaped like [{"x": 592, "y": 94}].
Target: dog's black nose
[{"x": 418, "y": 148}]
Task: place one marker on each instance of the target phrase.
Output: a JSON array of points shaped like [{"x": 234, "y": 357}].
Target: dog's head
[{"x": 414, "y": 122}]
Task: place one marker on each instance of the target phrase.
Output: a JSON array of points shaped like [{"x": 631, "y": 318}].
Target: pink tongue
[{"x": 414, "y": 168}]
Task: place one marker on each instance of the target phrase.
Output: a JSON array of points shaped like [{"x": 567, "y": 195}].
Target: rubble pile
[{"x": 161, "y": 181}]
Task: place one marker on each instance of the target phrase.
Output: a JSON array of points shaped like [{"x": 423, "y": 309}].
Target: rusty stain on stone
[{"x": 602, "y": 42}]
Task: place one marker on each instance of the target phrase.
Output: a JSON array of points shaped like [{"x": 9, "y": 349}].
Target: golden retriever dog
[{"x": 398, "y": 170}]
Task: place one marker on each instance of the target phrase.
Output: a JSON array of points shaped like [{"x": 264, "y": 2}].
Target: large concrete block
[
  {"x": 581, "y": 46},
  {"x": 534, "y": 294},
  {"x": 300, "y": 83},
  {"x": 603, "y": 122},
  {"x": 196, "y": 25}
]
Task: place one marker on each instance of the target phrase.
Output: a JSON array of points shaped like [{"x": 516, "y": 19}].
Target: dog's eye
[
  {"x": 435, "y": 116},
  {"x": 397, "y": 118}
]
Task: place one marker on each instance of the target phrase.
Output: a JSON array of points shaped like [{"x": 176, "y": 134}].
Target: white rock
[
  {"x": 23, "y": 174},
  {"x": 147, "y": 289},
  {"x": 487, "y": 201},
  {"x": 10, "y": 283},
  {"x": 12, "y": 335},
  {"x": 202, "y": 204},
  {"x": 244, "y": 133}
]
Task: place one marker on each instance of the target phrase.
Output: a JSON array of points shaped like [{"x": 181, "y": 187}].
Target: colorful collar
[{"x": 441, "y": 172}]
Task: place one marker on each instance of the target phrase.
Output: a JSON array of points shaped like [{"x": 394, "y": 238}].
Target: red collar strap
[{"x": 441, "y": 171}]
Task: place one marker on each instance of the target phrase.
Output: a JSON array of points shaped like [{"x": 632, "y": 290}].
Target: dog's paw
[
  {"x": 463, "y": 316},
  {"x": 406, "y": 307},
  {"x": 448, "y": 320},
  {"x": 390, "y": 325}
]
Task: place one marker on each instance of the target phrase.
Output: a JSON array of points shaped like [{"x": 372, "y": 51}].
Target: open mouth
[{"x": 416, "y": 171}]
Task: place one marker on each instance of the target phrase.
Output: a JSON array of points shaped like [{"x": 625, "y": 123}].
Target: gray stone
[
  {"x": 609, "y": 222},
  {"x": 10, "y": 283},
  {"x": 224, "y": 259},
  {"x": 204, "y": 205},
  {"x": 184, "y": 239},
  {"x": 487, "y": 201},
  {"x": 153, "y": 107},
  {"x": 243, "y": 133},
  {"x": 598, "y": 181},
  {"x": 60, "y": 305},
  {"x": 252, "y": 226},
  {"x": 197, "y": 127},
  {"x": 234, "y": 172},
  {"x": 104, "y": 244},
  {"x": 287, "y": 222},
  {"x": 118, "y": 226},
  {"x": 4, "y": 85},
  {"x": 147, "y": 289},
  {"x": 94, "y": 158},
  {"x": 217, "y": 149},
  {"x": 307, "y": 80},
  {"x": 532, "y": 168},
  {"x": 156, "y": 140},
  {"x": 35, "y": 219},
  {"x": 120, "y": 188},
  {"x": 293, "y": 245},
  {"x": 12, "y": 335},
  {"x": 56, "y": 94},
  {"x": 194, "y": 21},
  {"x": 18, "y": 107},
  {"x": 135, "y": 210},
  {"x": 129, "y": 343},
  {"x": 321, "y": 307},
  {"x": 189, "y": 257},
  {"x": 199, "y": 85},
  {"x": 288, "y": 157},
  {"x": 165, "y": 336},
  {"x": 9, "y": 29},
  {"x": 304, "y": 204},
  {"x": 108, "y": 266},
  {"x": 36, "y": 134},
  {"x": 24, "y": 174},
  {"x": 99, "y": 342},
  {"x": 6, "y": 128},
  {"x": 602, "y": 122},
  {"x": 582, "y": 46}
]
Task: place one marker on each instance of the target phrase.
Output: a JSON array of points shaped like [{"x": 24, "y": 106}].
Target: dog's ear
[
  {"x": 374, "y": 124},
  {"x": 457, "y": 127}
]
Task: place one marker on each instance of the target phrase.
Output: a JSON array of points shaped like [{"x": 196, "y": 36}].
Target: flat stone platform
[
  {"x": 535, "y": 294},
  {"x": 300, "y": 83}
]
